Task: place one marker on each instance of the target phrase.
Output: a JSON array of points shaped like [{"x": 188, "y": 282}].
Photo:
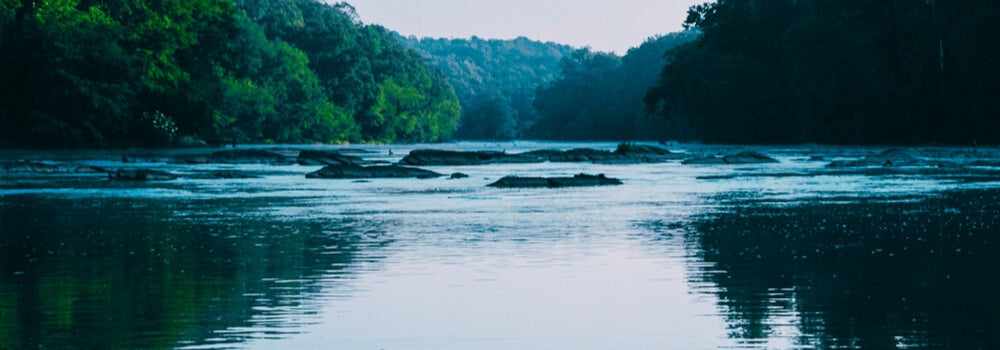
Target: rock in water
[
  {"x": 440, "y": 157},
  {"x": 630, "y": 154},
  {"x": 141, "y": 175},
  {"x": 327, "y": 158},
  {"x": 887, "y": 158},
  {"x": 250, "y": 156},
  {"x": 748, "y": 157},
  {"x": 349, "y": 171},
  {"x": 44, "y": 168},
  {"x": 579, "y": 180},
  {"x": 709, "y": 160},
  {"x": 732, "y": 159},
  {"x": 459, "y": 175}
]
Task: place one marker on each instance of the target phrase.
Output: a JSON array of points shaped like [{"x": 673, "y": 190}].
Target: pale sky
[{"x": 603, "y": 25}]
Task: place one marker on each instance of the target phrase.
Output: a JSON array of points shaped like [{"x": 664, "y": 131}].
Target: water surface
[{"x": 788, "y": 255}]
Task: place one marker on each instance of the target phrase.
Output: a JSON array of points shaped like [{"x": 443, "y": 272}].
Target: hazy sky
[{"x": 604, "y": 25}]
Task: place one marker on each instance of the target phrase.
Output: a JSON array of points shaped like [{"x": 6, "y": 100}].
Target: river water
[{"x": 787, "y": 255}]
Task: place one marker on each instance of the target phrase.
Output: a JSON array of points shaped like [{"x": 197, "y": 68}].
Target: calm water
[{"x": 789, "y": 255}]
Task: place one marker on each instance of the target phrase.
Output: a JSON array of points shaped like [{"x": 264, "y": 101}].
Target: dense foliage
[
  {"x": 122, "y": 73},
  {"x": 599, "y": 95},
  {"x": 835, "y": 71},
  {"x": 495, "y": 80}
]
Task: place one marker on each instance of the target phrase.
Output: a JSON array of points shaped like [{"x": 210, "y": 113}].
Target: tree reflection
[
  {"x": 147, "y": 273},
  {"x": 880, "y": 273}
]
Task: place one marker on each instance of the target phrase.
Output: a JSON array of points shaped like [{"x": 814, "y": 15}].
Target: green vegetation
[
  {"x": 115, "y": 73},
  {"x": 119, "y": 73},
  {"x": 785, "y": 71},
  {"x": 599, "y": 95},
  {"x": 495, "y": 80},
  {"x": 140, "y": 278}
]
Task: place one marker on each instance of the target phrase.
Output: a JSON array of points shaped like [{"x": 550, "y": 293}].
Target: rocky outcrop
[
  {"x": 141, "y": 175},
  {"x": 579, "y": 180},
  {"x": 327, "y": 158},
  {"x": 707, "y": 160},
  {"x": 423, "y": 157},
  {"x": 741, "y": 158},
  {"x": 888, "y": 158},
  {"x": 748, "y": 157},
  {"x": 624, "y": 154},
  {"x": 459, "y": 176},
  {"x": 250, "y": 156},
  {"x": 349, "y": 171},
  {"x": 46, "y": 168}
]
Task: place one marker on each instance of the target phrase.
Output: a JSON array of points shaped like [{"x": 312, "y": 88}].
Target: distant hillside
[
  {"x": 599, "y": 95},
  {"x": 495, "y": 80}
]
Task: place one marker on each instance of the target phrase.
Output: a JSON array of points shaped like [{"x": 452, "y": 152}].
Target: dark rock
[
  {"x": 219, "y": 157},
  {"x": 250, "y": 156},
  {"x": 459, "y": 176},
  {"x": 152, "y": 158},
  {"x": 888, "y": 158},
  {"x": 624, "y": 154},
  {"x": 327, "y": 158},
  {"x": 555, "y": 182},
  {"x": 646, "y": 153},
  {"x": 45, "y": 168},
  {"x": 733, "y": 159},
  {"x": 441, "y": 157},
  {"x": 229, "y": 174},
  {"x": 709, "y": 160},
  {"x": 748, "y": 157},
  {"x": 585, "y": 155},
  {"x": 370, "y": 172},
  {"x": 141, "y": 175}
]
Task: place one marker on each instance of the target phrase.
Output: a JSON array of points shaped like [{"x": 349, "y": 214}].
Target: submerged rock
[
  {"x": 141, "y": 175},
  {"x": 349, "y": 171},
  {"x": 220, "y": 157},
  {"x": 624, "y": 154},
  {"x": 888, "y": 158},
  {"x": 709, "y": 160},
  {"x": 581, "y": 155},
  {"x": 441, "y": 157},
  {"x": 327, "y": 158},
  {"x": 46, "y": 168},
  {"x": 578, "y": 180},
  {"x": 741, "y": 158},
  {"x": 230, "y": 174},
  {"x": 250, "y": 156},
  {"x": 748, "y": 157}
]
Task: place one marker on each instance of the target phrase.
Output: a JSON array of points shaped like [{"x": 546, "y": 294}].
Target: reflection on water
[
  {"x": 785, "y": 255},
  {"x": 870, "y": 274},
  {"x": 138, "y": 273}
]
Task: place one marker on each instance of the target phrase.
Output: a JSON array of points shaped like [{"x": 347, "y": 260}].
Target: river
[{"x": 788, "y": 255}]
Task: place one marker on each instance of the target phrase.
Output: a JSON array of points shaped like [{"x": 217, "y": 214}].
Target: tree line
[
  {"x": 837, "y": 71},
  {"x": 495, "y": 80},
  {"x": 599, "y": 95},
  {"x": 115, "y": 73}
]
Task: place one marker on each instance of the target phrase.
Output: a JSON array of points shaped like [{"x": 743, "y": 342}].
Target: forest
[
  {"x": 495, "y": 80},
  {"x": 87, "y": 73},
  {"x": 837, "y": 72}
]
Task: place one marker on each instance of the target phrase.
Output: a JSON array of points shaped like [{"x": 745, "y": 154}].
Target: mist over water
[{"x": 787, "y": 255}]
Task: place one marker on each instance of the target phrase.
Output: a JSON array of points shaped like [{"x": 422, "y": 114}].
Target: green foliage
[
  {"x": 900, "y": 71},
  {"x": 249, "y": 71},
  {"x": 494, "y": 80},
  {"x": 599, "y": 95}
]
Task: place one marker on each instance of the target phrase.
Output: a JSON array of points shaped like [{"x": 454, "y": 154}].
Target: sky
[{"x": 603, "y": 25}]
